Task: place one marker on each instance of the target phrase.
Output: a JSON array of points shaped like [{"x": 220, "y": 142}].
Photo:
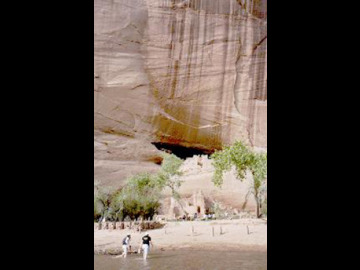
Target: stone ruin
[
  {"x": 197, "y": 164},
  {"x": 196, "y": 204}
]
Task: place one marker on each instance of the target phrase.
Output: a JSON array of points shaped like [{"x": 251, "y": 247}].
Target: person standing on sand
[{"x": 146, "y": 241}]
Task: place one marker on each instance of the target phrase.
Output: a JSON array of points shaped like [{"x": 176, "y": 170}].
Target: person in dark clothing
[{"x": 146, "y": 241}]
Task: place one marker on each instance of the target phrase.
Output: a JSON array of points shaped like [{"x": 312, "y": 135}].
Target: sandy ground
[{"x": 177, "y": 235}]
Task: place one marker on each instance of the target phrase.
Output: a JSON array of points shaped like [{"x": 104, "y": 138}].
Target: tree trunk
[{"x": 257, "y": 206}]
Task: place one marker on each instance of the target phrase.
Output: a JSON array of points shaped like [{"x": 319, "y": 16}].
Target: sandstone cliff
[
  {"x": 185, "y": 72},
  {"x": 189, "y": 73}
]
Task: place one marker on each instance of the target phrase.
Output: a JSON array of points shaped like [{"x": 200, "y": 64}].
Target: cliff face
[{"x": 191, "y": 73}]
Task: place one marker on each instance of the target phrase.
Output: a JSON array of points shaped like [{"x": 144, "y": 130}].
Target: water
[{"x": 186, "y": 260}]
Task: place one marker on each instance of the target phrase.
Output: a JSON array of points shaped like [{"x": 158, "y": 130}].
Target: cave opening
[{"x": 182, "y": 151}]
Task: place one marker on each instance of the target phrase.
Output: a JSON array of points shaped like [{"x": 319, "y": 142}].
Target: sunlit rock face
[
  {"x": 191, "y": 73},
  {"x": 122, "y": 101},
  {"x": 119, "y": 157},
  {"x": 181, "y": 73}
]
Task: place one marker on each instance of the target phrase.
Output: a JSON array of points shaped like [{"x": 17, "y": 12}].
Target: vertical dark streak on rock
[
  {"x": 174, "y": 80},
  {"x": 179, "y": 111},
  {"x": 224, "y": 93},
  {"x": 171, "y": 52},
  {"x": 202, "y": 52},
  {"x": 200, "y": 57},
  {"x": 194, "y": 112},
  {"x": 220, "y": 113},
  {"x": 252, "y": 95},
  {"x": 260, "y": 87},
  {"x": 189, "y": 57},
  {"x": 229, "y": 97}
]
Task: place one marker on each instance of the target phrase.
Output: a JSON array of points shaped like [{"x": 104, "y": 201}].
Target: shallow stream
[{"x": 185, "y": 260}]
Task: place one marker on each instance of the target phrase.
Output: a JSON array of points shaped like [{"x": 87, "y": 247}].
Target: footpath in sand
[{"x": 236, "y": 234}]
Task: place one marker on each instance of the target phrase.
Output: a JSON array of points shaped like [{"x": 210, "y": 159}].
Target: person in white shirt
[{"x": 126, "y": 245}]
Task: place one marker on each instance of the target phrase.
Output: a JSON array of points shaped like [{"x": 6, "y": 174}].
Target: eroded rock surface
[
  {"x": 184, "y": 72},
  {"x": 191, "y": 73},
  {"x": 118, "y": 157}
]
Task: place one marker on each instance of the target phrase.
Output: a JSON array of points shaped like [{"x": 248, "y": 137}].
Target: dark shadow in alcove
[{"x": 182, "y": 151}]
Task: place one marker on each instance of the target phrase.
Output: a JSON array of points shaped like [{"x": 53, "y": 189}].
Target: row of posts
[
  {"x": 213, "y": 230},
  {"x": 145, "y": 225},
  {"x": 113, "y": 225}
]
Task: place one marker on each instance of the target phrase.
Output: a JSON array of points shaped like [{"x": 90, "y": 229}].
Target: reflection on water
[{"x": 186, "y": 260}]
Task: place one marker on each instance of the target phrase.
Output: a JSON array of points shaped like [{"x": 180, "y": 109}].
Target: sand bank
[{"x": 249, "y": 234}]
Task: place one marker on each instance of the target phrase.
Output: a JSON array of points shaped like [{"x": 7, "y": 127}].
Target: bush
[
  {"x": 102, "y": 200},
  {"x": 139, "y": 198},
  {"x": 141, "y": 194}
]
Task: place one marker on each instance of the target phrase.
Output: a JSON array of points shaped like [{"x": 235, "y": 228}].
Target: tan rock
[
  {"x": 193, "y": 76},
  {"x": 191, "y": 73}
]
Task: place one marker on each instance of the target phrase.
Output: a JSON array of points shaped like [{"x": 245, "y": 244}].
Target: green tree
[
  {"x": 102, "y": 200},
  {"x": 116, "y": 205},
  {"x": 139, "y": 197},
  {"x": 169, "y": 174},
  {"x": 141, "y": 194},
  {"x": 244, "y": 160}
]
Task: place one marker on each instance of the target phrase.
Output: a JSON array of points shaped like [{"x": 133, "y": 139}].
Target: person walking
[
  {"x": 126, "y": 245},
  {"x": 146, "y": 241}
]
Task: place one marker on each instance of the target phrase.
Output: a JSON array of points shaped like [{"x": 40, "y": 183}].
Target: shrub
[{"x": 141, "y": 194}]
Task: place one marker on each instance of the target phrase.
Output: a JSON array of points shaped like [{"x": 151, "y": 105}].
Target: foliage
[
  {"x": 102, "y": 200},
  {"x": 171, "y": 164},
  {"x": 244, "y": 160},
  {"x": 238, "y": 155},
  {"x": 169, "y": 175},
  {"x": 139, "y": 197},
  {"x": 97, "y": 209},
  {"x": 142, "y": 192}
]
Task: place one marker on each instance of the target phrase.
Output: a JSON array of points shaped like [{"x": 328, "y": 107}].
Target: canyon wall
[{"x": 189, "y": 73}]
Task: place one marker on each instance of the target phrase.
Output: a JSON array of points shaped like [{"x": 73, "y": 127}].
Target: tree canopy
[
  {"x": 141, "y": 194},
  {"x": 244, "y": 160}
]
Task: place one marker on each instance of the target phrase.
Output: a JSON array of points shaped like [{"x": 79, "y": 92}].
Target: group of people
[
  {"x": 144, "y": 245},
  {"x": 197, "y": 216}
]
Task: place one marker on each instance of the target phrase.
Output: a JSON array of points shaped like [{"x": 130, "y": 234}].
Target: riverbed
[{"x": 186, "y": 260}]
